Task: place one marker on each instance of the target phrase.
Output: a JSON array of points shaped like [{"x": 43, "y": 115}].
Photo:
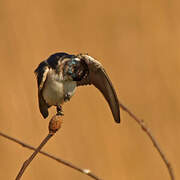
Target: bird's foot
[
  {"x": 67, "y": 97},
  {"x": 59, "y": 111}
]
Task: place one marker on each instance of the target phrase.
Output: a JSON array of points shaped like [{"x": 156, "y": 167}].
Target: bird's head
[{"x": 75, "y": 68}]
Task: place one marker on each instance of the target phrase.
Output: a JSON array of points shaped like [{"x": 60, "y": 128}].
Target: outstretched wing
[
  {"x": 99, "y": 78},
  {"x": 41, "y": 73}
]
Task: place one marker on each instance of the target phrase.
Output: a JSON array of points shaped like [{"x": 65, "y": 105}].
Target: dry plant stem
[
  {"x": 28, "y": 161},
  {"x": 149, "y": 134},
  {"x": 66, "y": 163}
]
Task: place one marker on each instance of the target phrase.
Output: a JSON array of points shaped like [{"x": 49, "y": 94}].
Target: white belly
[{"x": 54, "y": 91}]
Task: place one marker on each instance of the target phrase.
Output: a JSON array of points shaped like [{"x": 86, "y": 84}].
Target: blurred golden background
[{"x": 138, "y": 43}]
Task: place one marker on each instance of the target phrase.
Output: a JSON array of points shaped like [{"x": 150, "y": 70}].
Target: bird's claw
[
  {"x": 59, "y": 111},
  {"x": 67, "y": 97}
]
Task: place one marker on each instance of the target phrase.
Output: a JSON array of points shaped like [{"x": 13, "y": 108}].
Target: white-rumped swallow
[{"x": 61, "y": 73}]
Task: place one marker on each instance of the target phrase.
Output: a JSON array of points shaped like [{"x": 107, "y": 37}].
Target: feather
[{"x": 99, "y": 78}]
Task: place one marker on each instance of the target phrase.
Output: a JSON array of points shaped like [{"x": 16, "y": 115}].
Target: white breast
[{"x": 55, "y": 89}]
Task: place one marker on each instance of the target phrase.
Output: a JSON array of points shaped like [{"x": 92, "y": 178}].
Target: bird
[{"x": 60, "y": 75}]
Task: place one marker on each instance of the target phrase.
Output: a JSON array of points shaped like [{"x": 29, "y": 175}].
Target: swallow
[{"x": 60, "y": 75}]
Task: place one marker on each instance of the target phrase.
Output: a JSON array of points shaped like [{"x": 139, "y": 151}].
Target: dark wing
[
  {"x": 41, "y": 73},
  {"x": 99, "y": 78}
]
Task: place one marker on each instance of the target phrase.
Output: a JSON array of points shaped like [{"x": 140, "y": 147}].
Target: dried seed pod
[{"x": 55, "y": 123}]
